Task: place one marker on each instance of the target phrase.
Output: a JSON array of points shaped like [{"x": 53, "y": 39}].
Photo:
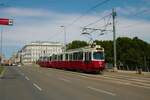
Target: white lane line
[
  {"x": 101, "y": 91},
  {"x": 127, "y": 78},
  {"x": 65, "y": 80},
  {"x": 146, "y": 87},
  {"x": 139, "y": 80},
  {"x": 27, "y": 78},
  {"x": 37, "y": 87},
  {"x": 114, "y": 80},
  {"x": 135, "y": 84}
]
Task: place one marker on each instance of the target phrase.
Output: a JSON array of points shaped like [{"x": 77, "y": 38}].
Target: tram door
[{"x": 87, "y": 57}]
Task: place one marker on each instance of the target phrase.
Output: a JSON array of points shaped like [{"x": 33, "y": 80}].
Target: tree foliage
[
  {"x": 130, "y": 52},
  {"x": 76, "y": 44}
]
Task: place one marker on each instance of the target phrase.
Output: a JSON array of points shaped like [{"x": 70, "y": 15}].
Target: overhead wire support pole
[
  {"x": 1, "y": 46},
  {"x": 64, "y": 29},
  {"x": 114, "y": 39},
  {"x": 1, "y": 41}
]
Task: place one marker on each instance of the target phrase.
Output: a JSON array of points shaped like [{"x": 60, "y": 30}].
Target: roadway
[{"x": 35, "y": 83}]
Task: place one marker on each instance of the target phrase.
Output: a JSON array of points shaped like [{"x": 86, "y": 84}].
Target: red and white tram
[{"x": 86, "y": 59}]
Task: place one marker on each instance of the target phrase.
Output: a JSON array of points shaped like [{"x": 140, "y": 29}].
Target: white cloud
[
  {"x": 132, "y": 28},
  {"x": 24, "y": 12}
]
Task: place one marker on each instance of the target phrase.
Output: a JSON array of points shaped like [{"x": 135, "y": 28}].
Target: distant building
[
  {"x": 16, "y": 58},
  {"x": 30, "y": 53},
  {"x": 2, "y": 57}
]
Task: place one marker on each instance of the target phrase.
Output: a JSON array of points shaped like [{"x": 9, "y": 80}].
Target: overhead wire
[
  {"x": 106, "y": 24},
  {"x": 90, "y": 9},
  {"x": 91, "y": 30},
  {"x": 97, "y": 20}
]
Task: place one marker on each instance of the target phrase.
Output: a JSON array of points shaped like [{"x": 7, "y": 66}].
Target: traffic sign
[{"x": 5, "y": 21}]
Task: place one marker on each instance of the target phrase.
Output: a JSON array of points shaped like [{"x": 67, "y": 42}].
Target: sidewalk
[
  {"x": 130, "y": 73},
  {"x": 135, "y": 72}
]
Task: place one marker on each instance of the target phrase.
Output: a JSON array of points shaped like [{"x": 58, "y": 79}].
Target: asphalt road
[{"x": 34, "y": 83}]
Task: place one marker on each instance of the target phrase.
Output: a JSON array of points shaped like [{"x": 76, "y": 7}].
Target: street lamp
[
  {"x": 64, "y": 29},
  {"x": 8, "y": 22},
  {"x": 1, "y": 50}
]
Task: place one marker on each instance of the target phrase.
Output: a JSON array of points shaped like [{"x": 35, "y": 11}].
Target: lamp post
[
  {"x": 1, "y": 43},
  {"x": 64, "y": 29},
  {"x": 8, "y": 22}
]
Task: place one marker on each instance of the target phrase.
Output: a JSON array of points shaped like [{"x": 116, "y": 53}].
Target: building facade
[
  {"x": 2, "y": 58},
  {"x": 30, "y": 53}
]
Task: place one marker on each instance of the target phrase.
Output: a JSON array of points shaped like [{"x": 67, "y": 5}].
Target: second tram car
[{"x": 86, "y": 59}]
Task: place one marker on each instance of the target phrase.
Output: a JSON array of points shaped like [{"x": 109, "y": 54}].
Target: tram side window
[
  {"x": 80, "y": 56},
  {"x": 66, "y": 56},
  {"x": 75, "y": 56},
  {"x": 50, "y": 58},
  {"x": 70, "y": 57},
  {"x": 87, "y": 56},
  {"x": 45, "y": 58},
  {"x": 55, "y": 57},
  {"x": 58, "y": 57},
  {"x": 61, "y": 57}
]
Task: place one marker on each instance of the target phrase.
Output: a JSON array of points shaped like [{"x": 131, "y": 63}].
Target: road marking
[
  {"x": 134, "y": 77},
  {"x": 136, "y": 84},
  {"x": 113, "y": 80},
  {"x": 65, "y": 80},
  {"x": 140, "y": 80},
  {"x": 101, "y": 91},
  {"x": 146, "y": 87},
  {"x": 37, "y": 87},
  {"x": 27, "y": 78},
  {"x": 128, "y": 78}
]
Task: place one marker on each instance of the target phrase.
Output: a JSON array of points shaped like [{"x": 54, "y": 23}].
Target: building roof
[{"x": 43, "y": 43}]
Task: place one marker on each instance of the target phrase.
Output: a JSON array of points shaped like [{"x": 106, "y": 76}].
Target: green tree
[
  {"x": 130, "y": 52},
  {"x": 76, "y": 44}
]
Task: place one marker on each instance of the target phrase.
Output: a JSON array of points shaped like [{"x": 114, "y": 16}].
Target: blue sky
[{"x": 36, "y": 20}]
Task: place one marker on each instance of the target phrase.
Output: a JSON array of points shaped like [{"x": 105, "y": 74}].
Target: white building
[
  {"x": 2, "y": 58},
  {"x": 31, "y": 52}
]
